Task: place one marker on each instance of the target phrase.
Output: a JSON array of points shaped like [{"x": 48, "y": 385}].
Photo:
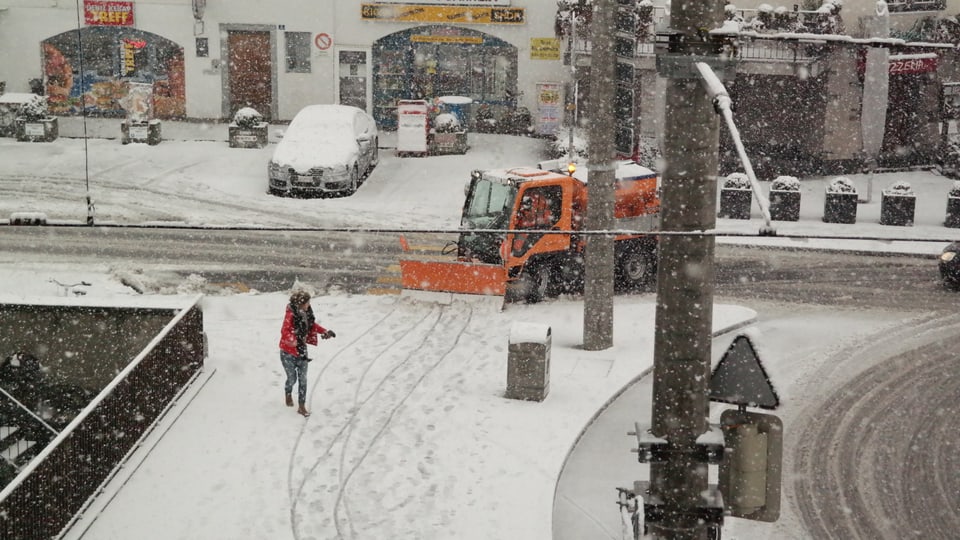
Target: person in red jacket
[{"x": 299, "y": 329}]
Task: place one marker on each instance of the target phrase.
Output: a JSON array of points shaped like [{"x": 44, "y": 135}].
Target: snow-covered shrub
[
  {"x": 841, "y": 184},
  {"x": 954, "y": 189},
  {"x": 736, "y": 181},
  {"x": 446, "y": 123},
  {"x": 247, "y": 118},
  {"x": 559, "y": 146},
  {"x": 900, "y": 187},
  {"x": 485, "y": 119},
  {"x": 785, "y": 183},
  {"x": 649, "y": 154},
  {"x": 35, "y": 109}
]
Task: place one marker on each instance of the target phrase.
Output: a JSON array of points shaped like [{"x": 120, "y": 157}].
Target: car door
[{"x": 364, "y": 140}]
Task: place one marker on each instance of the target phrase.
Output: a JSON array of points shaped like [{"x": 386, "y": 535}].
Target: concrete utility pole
[
  {"x": 685, "y": 278},
  {"x": 598, "y": 263}
]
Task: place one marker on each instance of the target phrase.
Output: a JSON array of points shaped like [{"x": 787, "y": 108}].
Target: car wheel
[{"x": 354, "y": 181}]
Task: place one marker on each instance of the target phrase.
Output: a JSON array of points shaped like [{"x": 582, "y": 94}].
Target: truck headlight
[{"x": 948, "y": 256}]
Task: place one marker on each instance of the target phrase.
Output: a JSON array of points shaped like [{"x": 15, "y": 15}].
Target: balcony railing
[{"x": 46, "y": 495}]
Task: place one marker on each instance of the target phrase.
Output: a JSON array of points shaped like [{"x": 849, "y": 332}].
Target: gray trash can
[{"x": 528, "y": 362}]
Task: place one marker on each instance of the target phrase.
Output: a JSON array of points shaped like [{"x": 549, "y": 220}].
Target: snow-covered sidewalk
[{"x": 411, "y": 435}]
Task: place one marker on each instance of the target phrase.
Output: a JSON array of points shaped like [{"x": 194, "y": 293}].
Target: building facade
[{"x": 205, "y": 60}]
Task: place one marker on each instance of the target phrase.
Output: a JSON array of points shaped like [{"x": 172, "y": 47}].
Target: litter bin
[{"x": 528, "y": 362}]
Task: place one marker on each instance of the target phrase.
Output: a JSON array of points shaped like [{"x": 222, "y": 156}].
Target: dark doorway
[{"x": 250, "y": 71}]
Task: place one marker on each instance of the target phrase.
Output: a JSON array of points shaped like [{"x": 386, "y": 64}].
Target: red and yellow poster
[{"x": 107, "y": 13}]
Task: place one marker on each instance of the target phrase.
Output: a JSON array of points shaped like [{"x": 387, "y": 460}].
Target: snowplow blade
[{"x": 453, "y": 277}]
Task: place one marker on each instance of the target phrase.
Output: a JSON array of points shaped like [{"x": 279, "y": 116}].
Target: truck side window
[{"x": 539, "y": 208}]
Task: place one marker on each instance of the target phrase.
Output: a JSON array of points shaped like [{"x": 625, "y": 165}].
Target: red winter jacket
[{"x": 288, "y": 336}]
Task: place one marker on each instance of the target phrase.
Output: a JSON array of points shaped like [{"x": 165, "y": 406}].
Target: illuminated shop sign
[
  {"x": 903, "y": 64},
  {"x": 475, "y": 40},
  {"x": 452, "y": 2},
  {"x": 107, "y": 13},
  {"x": 442, "y": 14}
]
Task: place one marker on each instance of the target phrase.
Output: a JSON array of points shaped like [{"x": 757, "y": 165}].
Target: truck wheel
[
  {"x": 535, "y": 283},
  {"x": 637, "y": 269}
]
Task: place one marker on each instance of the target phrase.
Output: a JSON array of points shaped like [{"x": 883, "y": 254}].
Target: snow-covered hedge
[
  {"x": 954, "y": 189},
  {"x": 34, "y": 109},
  {"x": 900, "y": 187},
  {"x": 736, "y": 180},
  {"x": 559, "y": 146},
  {"x": 247, "y": 118},
  {"x": 841, "y": 184},
  {"x": 785, "y": 183}
]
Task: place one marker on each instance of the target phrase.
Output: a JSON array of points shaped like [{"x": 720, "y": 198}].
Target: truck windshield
[{"x": 488, "y": 202}]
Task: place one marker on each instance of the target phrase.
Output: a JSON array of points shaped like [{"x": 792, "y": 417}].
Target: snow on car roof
[
  {"x": 325, "y": 115},
  {"x": 319, "y": 136}
]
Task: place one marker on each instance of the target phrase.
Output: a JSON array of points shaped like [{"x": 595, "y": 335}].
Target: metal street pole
[
  {"x": 685, "y": 279},
  {"x": 571, "y": 155},
  {"x": 598, "y": 258}
]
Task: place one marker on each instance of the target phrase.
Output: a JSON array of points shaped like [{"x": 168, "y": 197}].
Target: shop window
[{"x": 298, "y": 52}]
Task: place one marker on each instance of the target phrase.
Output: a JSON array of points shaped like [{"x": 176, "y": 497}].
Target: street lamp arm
[{"x": 722, "y": 104}]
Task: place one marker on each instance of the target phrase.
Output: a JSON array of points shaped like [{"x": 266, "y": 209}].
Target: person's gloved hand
[{"x": 329, "y": 334}]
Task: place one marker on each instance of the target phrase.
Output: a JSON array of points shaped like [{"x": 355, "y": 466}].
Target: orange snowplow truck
[{"x": 520, "y": 235}]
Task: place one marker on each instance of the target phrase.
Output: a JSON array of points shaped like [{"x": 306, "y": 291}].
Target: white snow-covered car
[{"x": 326, "y": 149}]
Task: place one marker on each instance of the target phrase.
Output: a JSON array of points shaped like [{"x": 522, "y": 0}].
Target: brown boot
[
  {"x": 289, "y": 400},
  {"x": 303, "y": 411}
]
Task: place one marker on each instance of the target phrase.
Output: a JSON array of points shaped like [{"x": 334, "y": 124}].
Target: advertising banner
[
  {"x": 544, "y": 48},
  {"x": 107, "y": 13},
  {"x": 549, "y": 108}
]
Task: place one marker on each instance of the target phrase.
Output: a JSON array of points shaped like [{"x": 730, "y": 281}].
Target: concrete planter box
[
  {"x": 448, "y": 143},
  {"x": 897, "y": 209},
  {"x": 840, "y": 207},
  {"x": 735, "y": 203},
  {"x": 784, "y": 205},
  {"x": 253, "y": 137},
  {"x": 953, "y": 213},
  {"x": 140, "y": 132},
  {"x": 43, "y": 130}
]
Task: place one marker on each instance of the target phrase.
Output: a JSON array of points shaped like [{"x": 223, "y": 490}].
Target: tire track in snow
[
  {"x": 424, "y": 345},
  {"x": 402, "y": 331},
  {"x": 876, "y": 456}
]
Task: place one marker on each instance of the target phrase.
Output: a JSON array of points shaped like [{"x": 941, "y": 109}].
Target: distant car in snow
[
  {"x": 950, "y": 265},
  {"x": 326, "y": 149}
]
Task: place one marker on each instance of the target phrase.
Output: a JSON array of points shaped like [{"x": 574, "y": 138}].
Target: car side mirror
[
  {"x": 363, "y": 139},
  {"x": 278, "y": 133}
]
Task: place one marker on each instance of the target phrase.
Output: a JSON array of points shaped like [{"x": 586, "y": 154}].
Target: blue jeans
[{"x": 296, "y": 369}]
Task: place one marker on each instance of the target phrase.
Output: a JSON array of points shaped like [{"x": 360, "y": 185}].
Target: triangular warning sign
[{"x": 739, "y": 378}]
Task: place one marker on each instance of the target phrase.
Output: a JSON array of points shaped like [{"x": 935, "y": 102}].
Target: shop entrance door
[
  {"x": 353, "y": 72},
  {"x": 250, "y": 71}
]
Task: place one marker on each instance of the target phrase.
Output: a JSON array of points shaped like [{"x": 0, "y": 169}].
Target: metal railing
[{"x": 52, "y": 488}]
